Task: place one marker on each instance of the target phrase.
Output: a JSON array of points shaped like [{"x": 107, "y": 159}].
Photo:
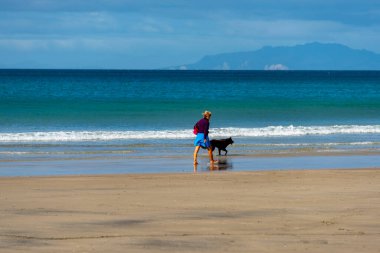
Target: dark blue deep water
[{"x": 39, "y": 100}]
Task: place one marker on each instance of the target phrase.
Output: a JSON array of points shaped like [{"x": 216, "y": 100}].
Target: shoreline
[{"x": 334, "y": 210}]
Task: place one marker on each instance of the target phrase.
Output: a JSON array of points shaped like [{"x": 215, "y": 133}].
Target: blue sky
[{"x": 146, "y": 34}]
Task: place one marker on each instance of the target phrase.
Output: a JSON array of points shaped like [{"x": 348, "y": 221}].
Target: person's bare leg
[
  {"x": 195, "y": 167},
  {"x": 211, "y": 156},
  {"x": 196, "y": 150}
]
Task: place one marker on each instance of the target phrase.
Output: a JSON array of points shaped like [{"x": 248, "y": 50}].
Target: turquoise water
[
  {"x": 122, "y": 100},
  {"x": 87, "y": 114}
]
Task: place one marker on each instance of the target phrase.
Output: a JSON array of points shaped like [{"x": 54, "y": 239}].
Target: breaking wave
[{"x": 270, "y": 131}]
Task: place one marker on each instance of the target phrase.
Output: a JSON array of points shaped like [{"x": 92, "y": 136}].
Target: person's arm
[{"x": 207, "y": 125}]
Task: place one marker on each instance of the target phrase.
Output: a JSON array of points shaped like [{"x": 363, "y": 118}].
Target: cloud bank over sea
[{"x": 153, "y": 34}]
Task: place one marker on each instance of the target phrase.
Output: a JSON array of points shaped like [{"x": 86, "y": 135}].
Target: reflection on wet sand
[{"x": 222, "y": 164}]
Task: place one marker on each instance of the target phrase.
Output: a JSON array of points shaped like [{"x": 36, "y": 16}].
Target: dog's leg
[
  {"x": 225, "y": 150},
  {"x": 219, "y": 150}
]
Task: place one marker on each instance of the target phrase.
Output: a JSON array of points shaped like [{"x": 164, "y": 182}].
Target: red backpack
[{"x": 196, "y": 128}]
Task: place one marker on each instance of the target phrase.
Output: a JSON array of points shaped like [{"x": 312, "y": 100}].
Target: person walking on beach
[{"x": 202, "y": 140}]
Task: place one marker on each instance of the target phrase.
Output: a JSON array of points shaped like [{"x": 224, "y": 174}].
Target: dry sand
[{"x": 281, "y": 211}]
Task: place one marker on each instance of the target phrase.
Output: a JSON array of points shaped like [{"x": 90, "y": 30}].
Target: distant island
[{"x": 310, "y": 56}]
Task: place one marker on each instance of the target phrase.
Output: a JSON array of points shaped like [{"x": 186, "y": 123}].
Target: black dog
[{"x": 221, "y": 144}]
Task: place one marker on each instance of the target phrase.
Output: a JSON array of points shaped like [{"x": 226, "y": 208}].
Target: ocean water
[{"x": 76, "y": 115}]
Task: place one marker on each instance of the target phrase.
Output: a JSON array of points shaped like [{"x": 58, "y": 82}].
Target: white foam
[
  {"x": 298, "y": 130},
  {"x": 270, "y": 131}
]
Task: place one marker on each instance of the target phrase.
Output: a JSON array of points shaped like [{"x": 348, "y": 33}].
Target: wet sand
[{"x": 263, "y": 211}]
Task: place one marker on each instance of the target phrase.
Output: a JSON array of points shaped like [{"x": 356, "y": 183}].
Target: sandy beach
[{"x": 272, "y": 211}]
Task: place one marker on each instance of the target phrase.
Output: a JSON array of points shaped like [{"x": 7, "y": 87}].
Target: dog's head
[{"x": 230, "y": 141}]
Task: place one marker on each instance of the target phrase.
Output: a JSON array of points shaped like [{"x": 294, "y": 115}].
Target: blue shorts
[{"x": 199, "y": 141}]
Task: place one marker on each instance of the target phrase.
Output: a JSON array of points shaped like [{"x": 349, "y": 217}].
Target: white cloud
[
  {"x": 225, "y": 66},
  {"x": 71, "y": 44},
  {"x": 276, "y": 67}
]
